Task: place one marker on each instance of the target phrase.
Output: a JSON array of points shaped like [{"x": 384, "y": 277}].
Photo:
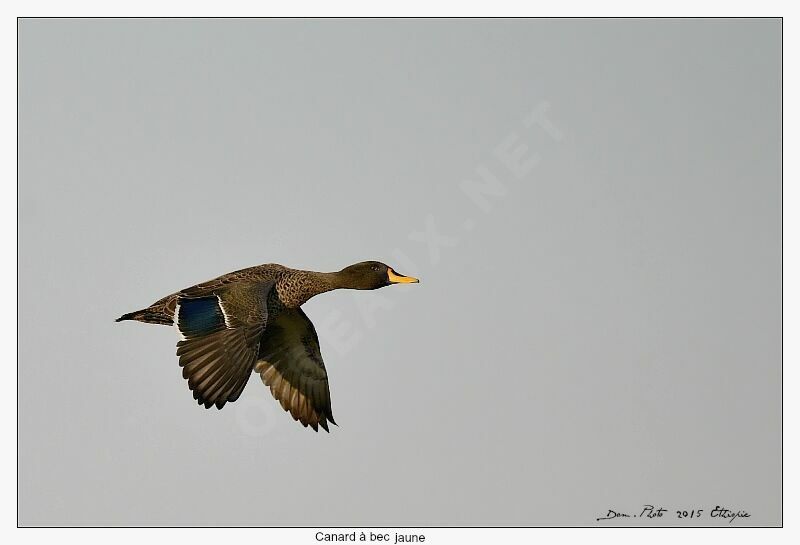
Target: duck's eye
[{"x": 375, "y": 268}]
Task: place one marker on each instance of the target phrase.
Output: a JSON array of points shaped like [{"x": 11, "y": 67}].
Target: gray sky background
[{"x": 598, "y": 330}]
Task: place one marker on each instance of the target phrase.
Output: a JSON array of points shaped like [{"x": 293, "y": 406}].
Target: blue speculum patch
[{"x": 198, "y": 317}]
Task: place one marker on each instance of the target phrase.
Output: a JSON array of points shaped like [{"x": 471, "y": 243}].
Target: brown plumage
[{"x": 250, "y": 320}]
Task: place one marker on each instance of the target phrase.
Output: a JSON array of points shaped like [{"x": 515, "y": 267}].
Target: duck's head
[{"x": 371, "y": 275}]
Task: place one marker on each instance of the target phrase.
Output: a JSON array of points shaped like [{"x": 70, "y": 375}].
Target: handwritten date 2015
[{"x": 718, "y": 513}]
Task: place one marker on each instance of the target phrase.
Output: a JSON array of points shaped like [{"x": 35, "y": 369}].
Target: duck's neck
[{"x": 296, "y": 287}]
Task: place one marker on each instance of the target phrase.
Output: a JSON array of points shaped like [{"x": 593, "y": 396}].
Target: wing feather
[
  {"x": 291, "y": 366},
  {"x": 221, "y": 337}
]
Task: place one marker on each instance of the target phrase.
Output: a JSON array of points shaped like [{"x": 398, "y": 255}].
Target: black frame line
[{"x": 599, "y": 18}]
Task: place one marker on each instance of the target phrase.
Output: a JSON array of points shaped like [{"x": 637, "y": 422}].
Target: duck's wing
[
  {"x": 220, "y": 337},
  {"x": 290, "y": 364}
]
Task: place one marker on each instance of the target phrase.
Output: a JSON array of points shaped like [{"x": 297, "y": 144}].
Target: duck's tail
[{"x": 148, "y": 315}]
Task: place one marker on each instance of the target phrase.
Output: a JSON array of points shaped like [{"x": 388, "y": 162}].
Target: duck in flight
[{"x": 250, "y": 320}]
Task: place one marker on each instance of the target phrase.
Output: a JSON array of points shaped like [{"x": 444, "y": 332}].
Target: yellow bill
[{"x": 395, "y": 278}]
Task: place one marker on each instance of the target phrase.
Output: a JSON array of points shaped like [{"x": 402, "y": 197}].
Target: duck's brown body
[
  {"x": 293, "y": 287},
  {"x": 250, "y": 319}
]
